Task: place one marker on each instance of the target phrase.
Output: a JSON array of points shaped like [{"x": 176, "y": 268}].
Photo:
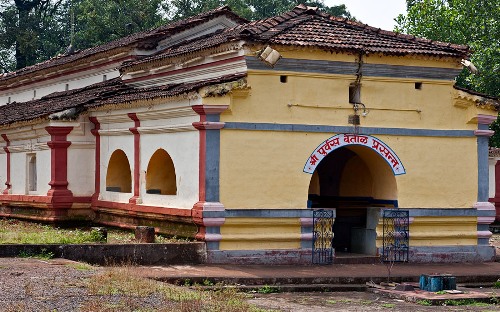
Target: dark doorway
[{"x": 351, "y": 181}]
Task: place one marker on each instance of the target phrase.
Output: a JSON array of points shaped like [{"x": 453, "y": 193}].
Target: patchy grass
[
  {"x": 21, "y": 232},
  {"x": 80, "y": 266},
  {"x": 43, "y": 255},
  {"x": 266, "y": 289},
  {"x": 131, "y": 293}
]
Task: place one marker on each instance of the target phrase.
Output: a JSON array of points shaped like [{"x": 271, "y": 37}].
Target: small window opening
[
  {"x": 354, "y": 93},
  {"x": 34, "y": 94},
  {"x": 418, "y": 86},
  {"x": 66, "y": 87},
  {"x": 32, "y": 172},
  {"x": 104, "y": 77},
  {"x": 8, "y": 100},
  {"x": 283, "y": 78}
]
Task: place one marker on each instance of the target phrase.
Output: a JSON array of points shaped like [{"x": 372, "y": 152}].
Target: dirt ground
[
  {"x": 61, "y": 285},
  {"x": 351, "y": 301}
]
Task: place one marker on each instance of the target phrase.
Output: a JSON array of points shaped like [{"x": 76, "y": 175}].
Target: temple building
[{"x": 234, "y": 133}]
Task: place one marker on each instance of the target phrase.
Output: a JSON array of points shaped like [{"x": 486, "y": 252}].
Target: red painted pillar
[
  {"x": 209, "y": 155},
  {"x": 137, "y": 163},
  {"x": 202, "y": 155},
  {"x": 97, "y": 179},
  {"x": 61, "y": 196},
  {"x": 6, "y": 149},
  {"x": 496, "y": 199}
]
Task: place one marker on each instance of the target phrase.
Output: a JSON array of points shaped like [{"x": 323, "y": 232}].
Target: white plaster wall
[
  {"x": 18, "y": 173},
  {"x": 183, "y": 149},
  {"x": 81, "y": 159},
  {"x": 43, "y": 171},
  {"x": 167, "y": 126},
  {"x": 19, "y": 169},
  {"x": 74, "y": 81},
  {"x": 108, "y": 145},
  {"x": 3, "y": 171},
  {"x": 81, "y": 171}
]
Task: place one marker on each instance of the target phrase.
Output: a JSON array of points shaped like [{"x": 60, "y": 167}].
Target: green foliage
[
  {"x": 250, "y": 9},
  {"x": 496, "y": 284},
  {"x": 425, "y": 302},
  {"x": 460, "y": 302},
  {"x": 20, "y": 232},
  {"x": 44, "y": 254},
  {"x": 32, "y": 31},
  {"x": 266, "y": 289},
  {"x": 495, "y": 139},
  {"x": 101, "y": 21},
  {"x": 97, "y": 236},
  {"x": 470, "y": 22}
]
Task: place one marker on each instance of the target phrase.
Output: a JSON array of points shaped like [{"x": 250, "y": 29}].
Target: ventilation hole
[
  {"x": 283, "y": 79},
  {"x": 418, "y": 85}
]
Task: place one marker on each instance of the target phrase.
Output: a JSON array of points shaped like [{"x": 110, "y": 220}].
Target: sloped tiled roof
[
  {"x": 110, "y": 92},
  {"x": 145, "y": 40},
  {"x": 308, "y": 27}
]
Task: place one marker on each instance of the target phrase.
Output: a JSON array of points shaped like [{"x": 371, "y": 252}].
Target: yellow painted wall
[
  {"x": 356, "y": 179},
  {"x": 263, "y": 169},
  {"x": 439, "y": 231},
  {"x": 260, "y": 233},
  {"x": 324, "y": 100}
]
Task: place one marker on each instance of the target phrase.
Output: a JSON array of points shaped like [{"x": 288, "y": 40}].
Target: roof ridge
[
  {"x": 280, "y": 19},
  {"x": 390, "y": 33},
  {"x": 135, "y": 38}
]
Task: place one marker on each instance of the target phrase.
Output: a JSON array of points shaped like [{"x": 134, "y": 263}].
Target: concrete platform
[
  {"x": 477, "y": 274},
  {"x": 432, "y": 298}
]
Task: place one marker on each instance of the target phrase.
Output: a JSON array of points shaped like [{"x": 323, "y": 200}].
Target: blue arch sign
[{"x": 340, "y": 140}]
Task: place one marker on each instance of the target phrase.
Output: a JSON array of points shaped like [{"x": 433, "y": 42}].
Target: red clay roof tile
[{"x": 113, "y": 91}]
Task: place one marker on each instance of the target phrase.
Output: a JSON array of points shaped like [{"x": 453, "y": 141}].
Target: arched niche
[
  {"x": 119, "y": 176},
  {"x": 160, "y": 175}
]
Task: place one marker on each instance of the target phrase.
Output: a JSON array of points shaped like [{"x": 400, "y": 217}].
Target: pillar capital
[{"x": 209, "y": 109}]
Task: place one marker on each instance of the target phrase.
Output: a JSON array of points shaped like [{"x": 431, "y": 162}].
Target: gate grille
[
  {"x": 396, "y": 235},
  {"x": 322, "y": 252}
]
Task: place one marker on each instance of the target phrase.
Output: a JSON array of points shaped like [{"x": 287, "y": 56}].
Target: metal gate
[
  {"x": 322, "y": 250},
  {"x": 396, "y": 235}
]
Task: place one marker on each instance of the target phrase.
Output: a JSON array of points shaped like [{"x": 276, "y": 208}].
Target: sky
[{"x": 376, "y": 13}]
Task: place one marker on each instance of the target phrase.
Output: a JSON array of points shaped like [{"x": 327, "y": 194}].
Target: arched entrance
[{"x": 357, "y": 181}]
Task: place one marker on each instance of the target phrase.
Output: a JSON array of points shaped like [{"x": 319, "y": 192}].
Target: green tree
[
  {"x": 251, "y": 9},
  {"x": 30, "y": 31},
  {"x": 472, "y": 22},
  {"x": 101, "y": 21}
]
